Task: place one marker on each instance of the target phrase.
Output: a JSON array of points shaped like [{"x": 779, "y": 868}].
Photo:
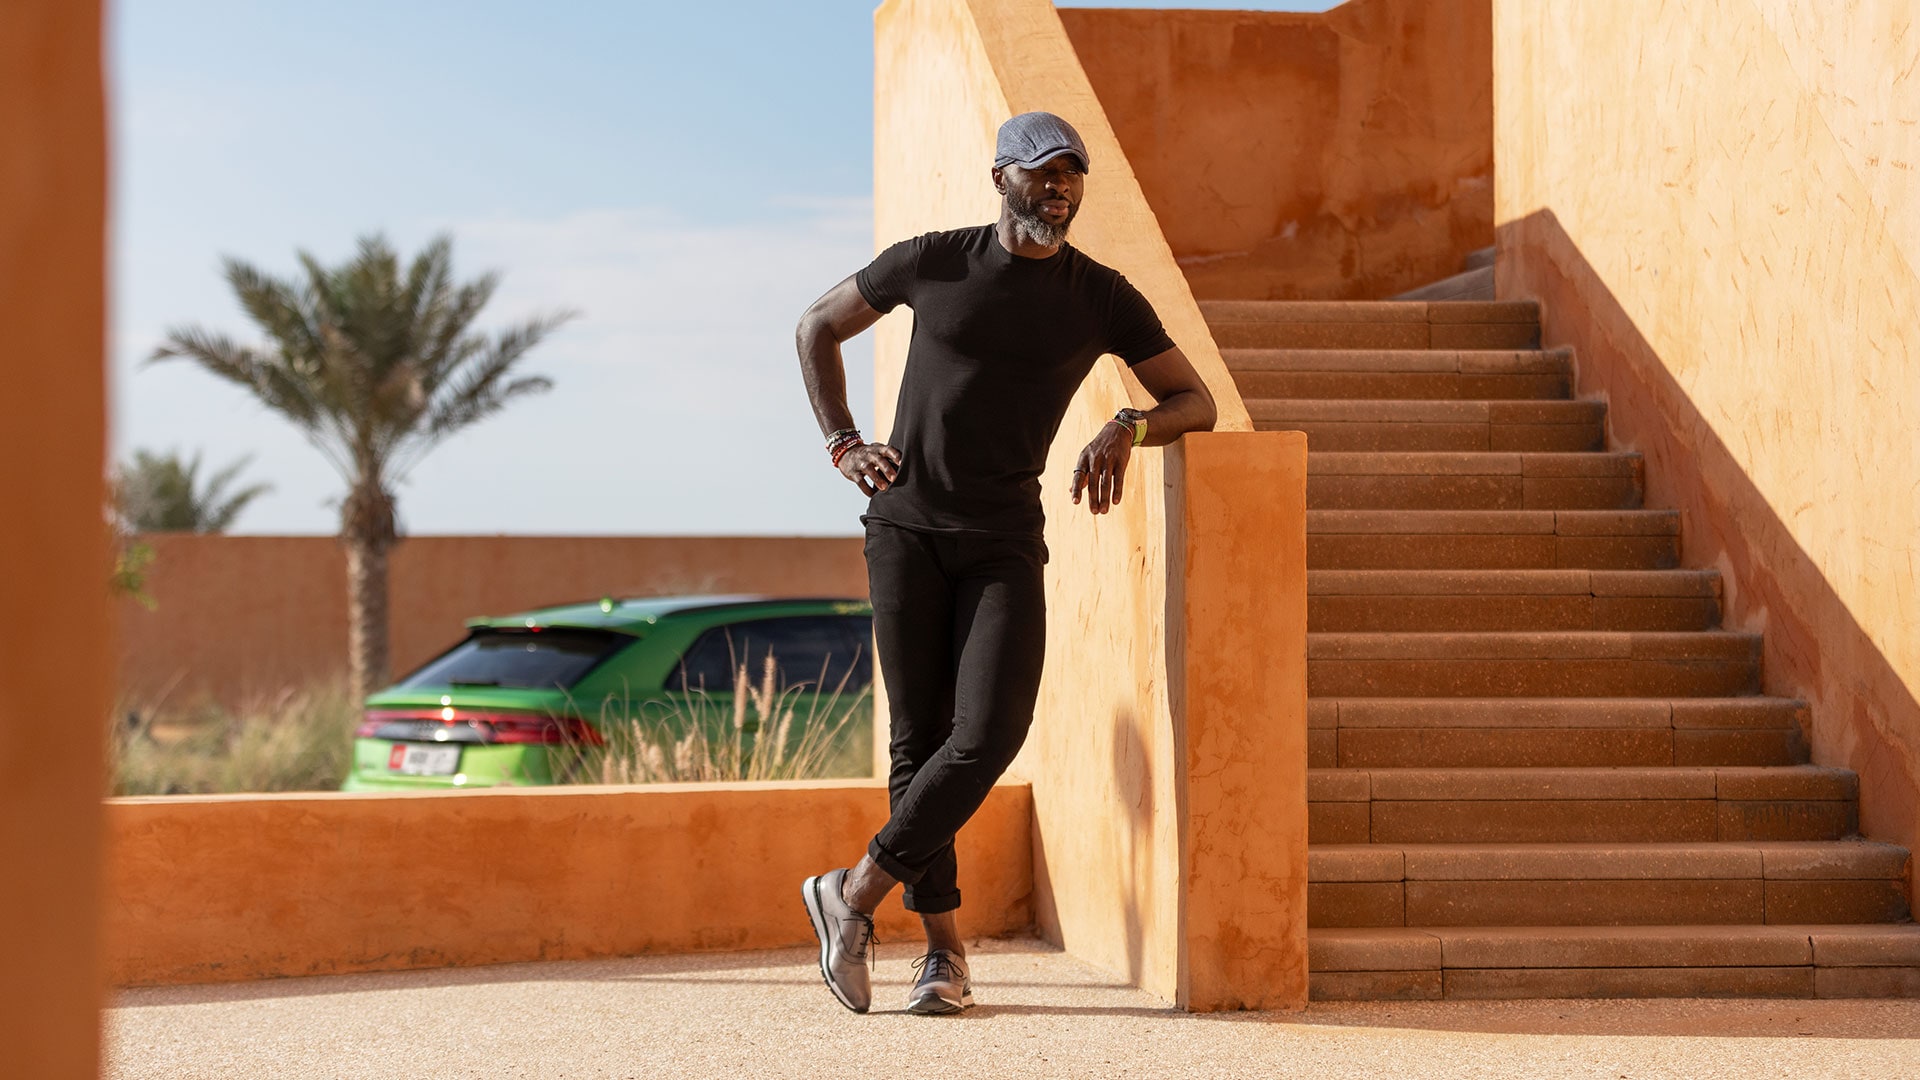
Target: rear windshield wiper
[{"x": 473, "y": 682}]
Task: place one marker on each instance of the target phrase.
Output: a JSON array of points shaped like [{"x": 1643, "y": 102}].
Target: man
[{"x": 1008, "y": 320}]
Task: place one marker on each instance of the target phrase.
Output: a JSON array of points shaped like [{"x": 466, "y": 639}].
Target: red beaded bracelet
[{"x": 841, "y": 450}]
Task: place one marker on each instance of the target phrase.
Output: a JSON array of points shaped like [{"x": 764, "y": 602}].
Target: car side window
[{"x": 803, "y": 648}]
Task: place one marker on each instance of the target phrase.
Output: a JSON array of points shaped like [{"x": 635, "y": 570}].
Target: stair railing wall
[{"x": 1715, "y": 205}]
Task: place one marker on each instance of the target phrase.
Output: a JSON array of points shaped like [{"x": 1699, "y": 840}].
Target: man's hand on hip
[
  {"x": 872, "y": 466},
  {"x": 1102, "y": 467}
]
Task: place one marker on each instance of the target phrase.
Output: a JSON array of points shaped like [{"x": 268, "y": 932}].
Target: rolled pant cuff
[
  {"x": 895, "y": 869},
  {"x": 922, "y": 904}
]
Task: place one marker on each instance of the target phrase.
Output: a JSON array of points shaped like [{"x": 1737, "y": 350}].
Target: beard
[{"x": 1029, "y": 224}]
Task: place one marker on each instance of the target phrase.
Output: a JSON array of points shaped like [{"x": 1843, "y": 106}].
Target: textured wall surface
[
  {"x": 223, "y": 888},
  {"x": 55, "y": 652},
  {"x": 241, "y": 615},
  {"x": 1237, "y": 613},
  {"x": 1106, "y": 756},
  {"x": 1718, "y": 203},
  {"x": 1344, "y": 155}
]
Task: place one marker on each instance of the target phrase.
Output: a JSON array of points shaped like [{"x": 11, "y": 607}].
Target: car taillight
[
  {"x": 471, "y": 726},
  {"x": 539, "y": 729}
]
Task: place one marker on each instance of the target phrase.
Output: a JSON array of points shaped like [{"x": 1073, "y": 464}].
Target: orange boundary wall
[
  {"x": 55, "y": 629},
  {"x": 242, "y": 615},
  {"x": 221, "y": 888}
]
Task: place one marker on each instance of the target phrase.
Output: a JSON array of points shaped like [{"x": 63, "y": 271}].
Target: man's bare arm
[
  {"x": 1183, "y": 404},
  {"x": 832, "y": 319}
]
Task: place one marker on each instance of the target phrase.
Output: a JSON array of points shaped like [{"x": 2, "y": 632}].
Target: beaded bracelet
[
  {"x": 841, "y": 450},
  {"x": 841, "y": 441}
]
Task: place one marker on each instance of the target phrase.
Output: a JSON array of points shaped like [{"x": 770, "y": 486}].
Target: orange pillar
[
  {"x": 55, "y": 678},
  {"x": 1237, "y": 684}
]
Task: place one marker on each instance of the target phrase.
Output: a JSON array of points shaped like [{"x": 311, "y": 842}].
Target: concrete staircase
[{"x": 1538, "y": 766}]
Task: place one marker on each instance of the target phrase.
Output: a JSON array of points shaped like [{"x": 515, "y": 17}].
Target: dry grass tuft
[
  {"x": 757, "y": 732},
  {"x": 295, "y": 740}
]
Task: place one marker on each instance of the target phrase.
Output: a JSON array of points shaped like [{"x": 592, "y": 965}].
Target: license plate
[{"x": 424, "y": 760}]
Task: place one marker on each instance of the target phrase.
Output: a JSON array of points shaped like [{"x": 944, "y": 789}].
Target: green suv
[{"x": 525, "y": 698}]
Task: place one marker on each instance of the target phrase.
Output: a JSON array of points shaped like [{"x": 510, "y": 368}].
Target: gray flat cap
[{"x": 1032, "y": 138}]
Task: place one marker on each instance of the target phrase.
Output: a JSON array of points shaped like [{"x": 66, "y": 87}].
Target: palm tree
[
  {"x": 376, "y": 365},
  {"x": 163, "y": 493}
]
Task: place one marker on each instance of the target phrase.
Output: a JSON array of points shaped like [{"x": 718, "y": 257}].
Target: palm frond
[
  {"x": 476, "y": 389},
  {"x": 277, "y": 387},
  {"x": 219, "y": 508},
  {"x": 470, "y": 408},
  {"x": 447, "y": 344},
  {"x": 278, "y": 307}
]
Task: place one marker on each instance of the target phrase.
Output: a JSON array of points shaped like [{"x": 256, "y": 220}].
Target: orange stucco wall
[
  {"x": 1237, "y": 675},
  {"x": 222, "y": 888},
  {"x": 1116, "y": 769},
  {"x": 1341, "y": 155},
  {"x": 55, "y": 653},
  {"x": 238, "y": 615},
  {"x": 1718, "y": 204}
]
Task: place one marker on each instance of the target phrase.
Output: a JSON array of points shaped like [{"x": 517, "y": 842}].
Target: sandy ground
[{"x": 1041, "y": 1014}]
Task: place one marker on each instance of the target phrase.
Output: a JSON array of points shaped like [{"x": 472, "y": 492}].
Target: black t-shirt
[{"x": 1000, "y": 344}]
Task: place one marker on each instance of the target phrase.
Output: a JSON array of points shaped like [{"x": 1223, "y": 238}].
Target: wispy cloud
[
  {"x": 677, "y": 406},
  {"x": 655, "y": 289}
]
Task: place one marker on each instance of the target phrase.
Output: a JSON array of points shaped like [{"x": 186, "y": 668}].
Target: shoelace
[
  {"x": 935, "y": 965},
  {"x": 867, "y": 951}
]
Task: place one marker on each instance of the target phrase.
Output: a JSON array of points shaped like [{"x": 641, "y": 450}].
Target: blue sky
[{"x": 690, "y": 187}]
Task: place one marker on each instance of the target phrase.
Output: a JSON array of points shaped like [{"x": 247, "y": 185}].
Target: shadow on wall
[
  {"x": 1129, "y": 839},
  {"x": 1133, "y": 773},
  {"x": 1814, "y": 647}
]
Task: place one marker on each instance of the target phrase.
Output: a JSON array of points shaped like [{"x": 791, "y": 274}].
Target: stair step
[
  {"x": 1579, "y": 805},
  {"x": 1601, "y": 663},
  {"x": 1474, "y": 283},
  {"x": 1372, "y": 324},
  {"x": 1843, "y": 881},
  {"x": 1391, "y": 424},
  {"x": 1639, "y": 961},
  {"x": 1554, "y": 599},
  {"x": 1492, "y": 539},
  {"x": 1393, "y": 733},
  {"x": 1470, "y": 481},
  {"x": 1465, "y": 375}
]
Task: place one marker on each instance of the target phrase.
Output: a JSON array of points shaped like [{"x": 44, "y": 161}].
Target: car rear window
[{"x": 542, "y": 659}]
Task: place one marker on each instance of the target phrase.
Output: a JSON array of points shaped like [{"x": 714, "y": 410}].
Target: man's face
[{"x": 1047, "y": 195}]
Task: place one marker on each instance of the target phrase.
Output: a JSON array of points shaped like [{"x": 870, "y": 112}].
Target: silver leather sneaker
[
  {"x": 846, "y": 937},
  {"x": 944, "y": 985}
]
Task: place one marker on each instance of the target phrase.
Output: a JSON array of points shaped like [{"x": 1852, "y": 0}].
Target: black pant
[{"x": 960, "y": 627}]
